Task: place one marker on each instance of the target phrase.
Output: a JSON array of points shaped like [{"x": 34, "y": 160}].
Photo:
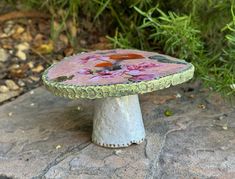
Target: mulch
[{"x": 27, "y": 47}]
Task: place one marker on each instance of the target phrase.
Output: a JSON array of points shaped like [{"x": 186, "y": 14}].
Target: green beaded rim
[{"x": 117, "y": 90}]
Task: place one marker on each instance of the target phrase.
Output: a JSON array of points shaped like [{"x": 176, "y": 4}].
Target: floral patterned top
[{"x": 114, "y": 67}]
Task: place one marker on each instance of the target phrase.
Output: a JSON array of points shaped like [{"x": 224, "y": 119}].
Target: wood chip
[
  {"x": 22, "y": 46},
  {"x": 11, "y": 85},
  {"x": 34, "y": 78},
  {"x": 45, "y": 48},
  {"x": 4, "y": 89},
  {"x": 3, "y": 55},
  {"x": 9, "y": 95},
  {"x": 21, "y": 55},
  {"x": 64, "y": 39},
  {"x": 38, "y": 69}
]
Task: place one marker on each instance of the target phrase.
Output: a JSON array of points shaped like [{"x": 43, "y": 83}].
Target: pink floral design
[
  {"x": 85, "y": 71},
  {"x": 107, "y": 74},
  {"x": 134, "y": 72},
  {"x": 114, "y": 67},
  {"x": 137, "y": 72},
  {"x": 93, "y": 58},
  {"x": 148, "y": 65},
  {"x": 134, "y": 67},
  {"x": 139, "y": 69},
  {"x": 142, "y": 77},
  {"x": 88, "y": 58},
  {"x": 142, "y": 66}
]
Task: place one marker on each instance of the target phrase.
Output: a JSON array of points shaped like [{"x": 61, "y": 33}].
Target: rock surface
[{"x": 51, "y": 138}]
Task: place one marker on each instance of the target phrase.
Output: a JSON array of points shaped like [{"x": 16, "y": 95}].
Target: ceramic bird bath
[{"x": 114, "y": 78}]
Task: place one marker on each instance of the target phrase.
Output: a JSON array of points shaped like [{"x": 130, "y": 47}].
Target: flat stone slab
[{"x": 43, "y": 136}]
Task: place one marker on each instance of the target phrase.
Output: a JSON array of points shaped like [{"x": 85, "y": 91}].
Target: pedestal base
[{"x": 118, "y": 122}]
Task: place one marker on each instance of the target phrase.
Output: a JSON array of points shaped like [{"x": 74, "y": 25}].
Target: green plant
[
  {"x": 174, "y": 33},
  {"x": 200, "y": 31},
  {"x": 218, "y": 71}
]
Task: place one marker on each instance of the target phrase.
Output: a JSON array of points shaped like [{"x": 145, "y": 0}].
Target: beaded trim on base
[{"x": 117, "y": 145}]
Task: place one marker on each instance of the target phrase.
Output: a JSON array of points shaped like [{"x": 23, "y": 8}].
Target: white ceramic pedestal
[{"x": 118, "y": 122}]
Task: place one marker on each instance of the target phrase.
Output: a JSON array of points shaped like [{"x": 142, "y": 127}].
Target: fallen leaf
[
  {"x": 3, "y": 89},
  {"x": 38, "y": 69},
  {"x": 3, "y": 35},
  {"x": 7, "y": 46},
  {"x": 21, "y": 55},
  {"x": 38, "y": 40},
  {"x": 202, "y": 106},
  {"x": 11, "y": 85},
  {"x": 22, "y": 46},
  {"x": 64, "y": 39},
  {"x": 18, "y": 30},
  {"x": 18, "y": 71},
  {"x": 68, "y": 51},
  {"x": 3, "y": 55},
  {"x": 30, "y": 64},
  {"x": 26, "y": 37},
  {"x": 34, "y": 78},
  {"x": 168, "y": 112},
  {"x": 45, "y": 48}
]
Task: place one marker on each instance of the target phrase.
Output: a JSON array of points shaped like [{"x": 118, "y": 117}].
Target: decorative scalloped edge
[
  {"x": 116, "y": 90},
  {"x": 118, "y": 145}
]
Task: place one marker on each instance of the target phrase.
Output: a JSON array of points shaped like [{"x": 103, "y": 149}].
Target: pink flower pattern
[
  {"x": 94, "y": 68},
  {"x": 137, "y": 72},
  {"x": 85, "y": 71},
  {"x": 94, "y": 58},
  {"x": 142, "y": 77}
]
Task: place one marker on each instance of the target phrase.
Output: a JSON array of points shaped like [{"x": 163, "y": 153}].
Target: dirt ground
[{"x": 28, "y": 46}]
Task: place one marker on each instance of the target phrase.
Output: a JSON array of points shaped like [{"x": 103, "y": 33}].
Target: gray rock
[
  {"x": 187, "y": 144},
  {"x": 5, "y": 147}
]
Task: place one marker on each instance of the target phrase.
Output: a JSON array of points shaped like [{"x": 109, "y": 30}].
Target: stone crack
[{"x": 61, "y": 157}]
